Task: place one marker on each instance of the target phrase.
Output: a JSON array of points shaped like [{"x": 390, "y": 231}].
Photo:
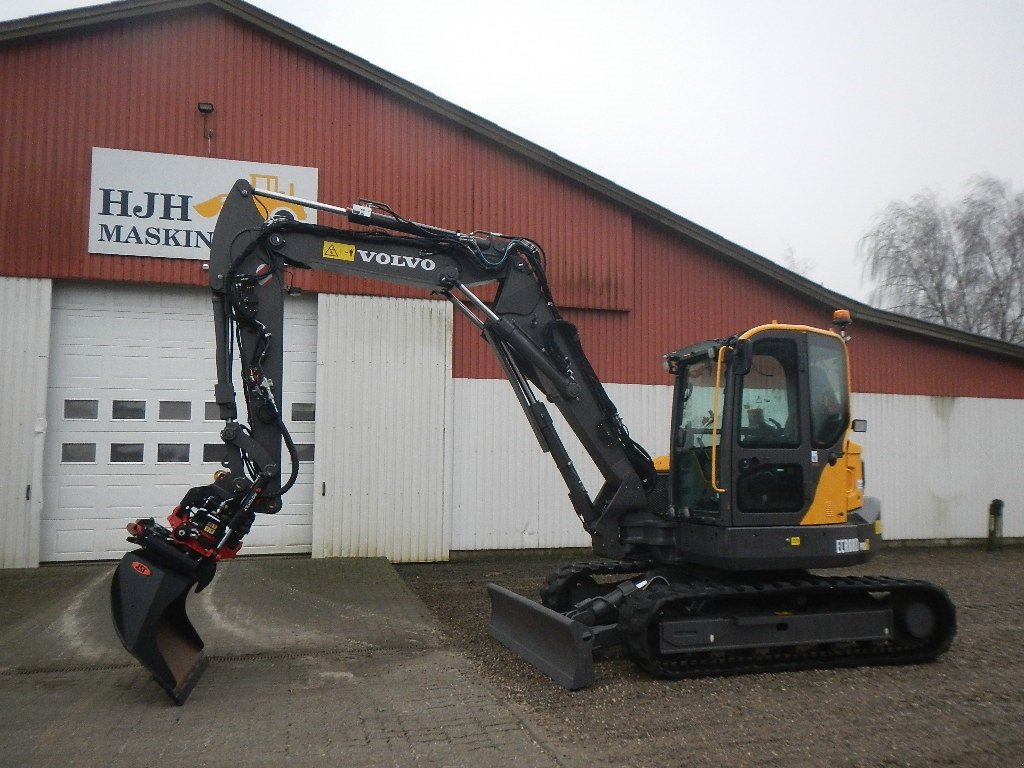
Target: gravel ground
[{"x": 964, "y": 710}]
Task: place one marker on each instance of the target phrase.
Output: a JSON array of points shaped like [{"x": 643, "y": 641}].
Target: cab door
[
  {"x": 789, "y": 411},
  {"x": 768, "y": 446}
]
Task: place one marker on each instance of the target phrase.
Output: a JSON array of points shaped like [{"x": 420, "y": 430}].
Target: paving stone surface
[{"x": 312, "y": 663}]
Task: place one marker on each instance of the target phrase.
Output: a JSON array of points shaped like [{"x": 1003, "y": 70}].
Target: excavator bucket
[
  {"x": 147, "y": 600},
  {"x": 558, "y": 646}
]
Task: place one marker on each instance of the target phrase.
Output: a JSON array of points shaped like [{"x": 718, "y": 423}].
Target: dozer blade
[
  {"x": 147, "y": 600},
  {"x": 558, "y": 646}
]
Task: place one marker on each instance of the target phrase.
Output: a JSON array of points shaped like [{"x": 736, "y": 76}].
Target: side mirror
[
  {"x": 859, "y": 425},
  {"x": 743, "y": 357}
]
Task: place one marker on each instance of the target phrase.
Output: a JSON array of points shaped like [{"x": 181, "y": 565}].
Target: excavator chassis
[{"x": 680, "y": 626}]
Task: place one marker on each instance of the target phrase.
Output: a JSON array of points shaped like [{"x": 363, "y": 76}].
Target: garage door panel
[
  {"x": 79, "y": 369},
  {"x": 127, "y": 330},
  {"x": 89, "y": 371},
  {"x": 122, "y": 497},
  {"x": 179, "y": 333},
  {"x": 77, "y": 539},
  {"x": 289, "y": 533},
  {"x": 116, "y": 349},
  {"x": 85, "y": 539},
  {"x": 297, "y": 535},
  {"x": 77, "y": 501},
  {"x": 89, "y": 328},
  {"x": 115, "y": 519}
]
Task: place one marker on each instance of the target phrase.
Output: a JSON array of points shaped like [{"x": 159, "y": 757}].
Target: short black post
[{"x": 995, "y": 525}]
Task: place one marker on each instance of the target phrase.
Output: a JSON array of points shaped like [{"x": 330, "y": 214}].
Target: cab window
[
  {"x": 830, "y": 402},
  {"x": 697, "y": 417},
  {"x": 769, "y": 397},
  {"x": 696, "y": 436}
]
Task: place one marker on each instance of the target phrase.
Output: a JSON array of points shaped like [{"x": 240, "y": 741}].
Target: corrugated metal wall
[
  {"x": 25, "y": 348},
  {"x": 937, "y": 462},
  {"x": 685, "y": 294},
  {"x": 135, "y": 85},
  {"x": 508, "y": 494},
  {"x": 279, "y": 103},
  {"x": 382, "y": 479},
  {"x": 899, "y": 363}
]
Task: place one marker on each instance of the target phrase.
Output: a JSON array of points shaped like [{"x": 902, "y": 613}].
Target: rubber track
[{"x": 638, "y": 617}]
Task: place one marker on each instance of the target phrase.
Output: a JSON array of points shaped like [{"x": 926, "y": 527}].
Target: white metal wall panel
[
  {"x": 382, "y": 479},
  {"x": 149, "y": 347},
  {"x": 25, "y": 348},
  {"x": 936, "y": 463},
  {"x": 508, "y": 493}
]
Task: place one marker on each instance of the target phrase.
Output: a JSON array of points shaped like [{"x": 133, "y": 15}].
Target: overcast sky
[{"x": 784, "y": 126}]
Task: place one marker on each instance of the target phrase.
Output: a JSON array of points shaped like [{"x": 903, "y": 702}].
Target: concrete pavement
[{"x": 312, "y": 663}]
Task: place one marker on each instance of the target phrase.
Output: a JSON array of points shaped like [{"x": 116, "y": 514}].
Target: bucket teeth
[{"x": 147, "y": 601}]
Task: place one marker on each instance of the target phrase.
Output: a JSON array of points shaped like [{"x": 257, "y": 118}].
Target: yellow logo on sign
[{"x": 339, "y": 251}]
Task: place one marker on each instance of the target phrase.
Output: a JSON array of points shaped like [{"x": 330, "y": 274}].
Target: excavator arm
[{"x": 538, "y": 350}]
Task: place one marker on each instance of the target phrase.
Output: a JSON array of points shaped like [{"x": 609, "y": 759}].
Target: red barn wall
[
  {"x": 135, "y": 85},
  {"x": 637, "y": 290},
  {"x": 685, "y": 294}
]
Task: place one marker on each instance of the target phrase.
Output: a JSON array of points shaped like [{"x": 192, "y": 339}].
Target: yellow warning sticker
[
  {"x": 339, "y": 251},
  {"x": 794, "y": 541}
]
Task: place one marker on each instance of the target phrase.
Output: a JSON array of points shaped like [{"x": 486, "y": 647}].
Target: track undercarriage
[{"x": 677, "y": 623}]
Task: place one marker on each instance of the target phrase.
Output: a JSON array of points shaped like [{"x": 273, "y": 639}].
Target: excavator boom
[{"x": 538, "y": 350}]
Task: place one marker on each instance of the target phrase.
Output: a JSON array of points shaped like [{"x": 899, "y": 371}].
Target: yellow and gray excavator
[{"x": 704, "y": 558}]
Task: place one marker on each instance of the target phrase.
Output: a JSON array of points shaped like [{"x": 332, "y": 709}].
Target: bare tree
[
  {"x": 959, "y": 265},
  {"x": 790, "y": 261}
]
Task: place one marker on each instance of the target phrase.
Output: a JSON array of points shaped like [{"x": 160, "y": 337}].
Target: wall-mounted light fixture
[{"x": 205, "y": 109}]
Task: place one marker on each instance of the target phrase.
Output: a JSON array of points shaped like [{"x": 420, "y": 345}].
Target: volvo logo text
[{"x": 394, "y": 260}]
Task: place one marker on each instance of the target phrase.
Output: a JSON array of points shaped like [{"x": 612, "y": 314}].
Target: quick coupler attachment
[{"x": 559, "y": 645}]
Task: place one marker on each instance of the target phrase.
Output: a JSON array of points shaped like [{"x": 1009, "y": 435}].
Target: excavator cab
[{"x": 760, "y": 444}]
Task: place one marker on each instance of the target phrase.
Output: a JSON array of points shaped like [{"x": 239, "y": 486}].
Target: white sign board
[{"x": 150, "y": 204}]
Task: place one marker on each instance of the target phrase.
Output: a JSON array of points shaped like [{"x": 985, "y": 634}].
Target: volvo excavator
[{"x": 705, "y": 560}]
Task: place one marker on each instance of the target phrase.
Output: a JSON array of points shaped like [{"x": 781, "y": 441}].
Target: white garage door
[{"x": 130, "y": 419}]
